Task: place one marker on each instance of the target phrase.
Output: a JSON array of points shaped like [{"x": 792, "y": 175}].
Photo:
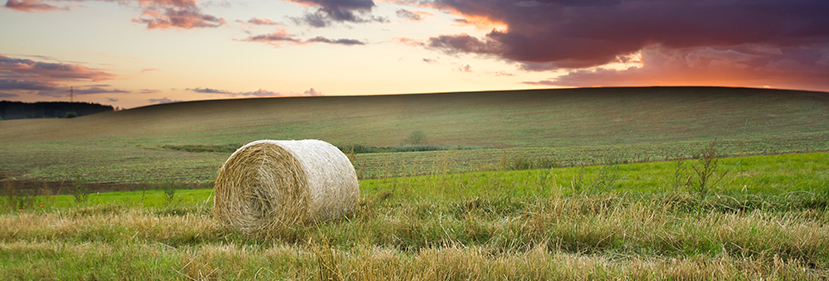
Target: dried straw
[{"x": 268, "y": 184}]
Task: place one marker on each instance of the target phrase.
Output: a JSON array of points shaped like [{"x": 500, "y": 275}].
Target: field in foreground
[{"x": 766, "y": 219}]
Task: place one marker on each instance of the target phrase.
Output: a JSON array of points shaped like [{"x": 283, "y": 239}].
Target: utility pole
[{"x": 71, "y": 94}]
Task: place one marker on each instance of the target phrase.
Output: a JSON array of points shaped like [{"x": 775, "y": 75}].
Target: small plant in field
[
  {"x": 416, "y": 138},
  {"x": 705, "y": 169},
  {"x": 81, "y": 191},
  {"x": 10, "y": 194},
  {"x": 169, "y": 189},
  {"x": 680, "y": 177}
]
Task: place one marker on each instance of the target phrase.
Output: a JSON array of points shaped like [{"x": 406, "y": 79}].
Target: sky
[{"x": 132, "y": 53}]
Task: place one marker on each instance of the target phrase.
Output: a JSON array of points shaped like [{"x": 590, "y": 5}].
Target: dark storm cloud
[
  {"x": 328, "y": 11},
  {"x": 792, "y": 68},
  {"x": 583, "y": 33}
]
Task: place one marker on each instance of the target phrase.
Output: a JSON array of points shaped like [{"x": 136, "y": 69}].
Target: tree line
[{"x": 22, "y": 110}]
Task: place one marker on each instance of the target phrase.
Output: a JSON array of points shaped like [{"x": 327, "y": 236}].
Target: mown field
[{"x": 579, "y": 184}]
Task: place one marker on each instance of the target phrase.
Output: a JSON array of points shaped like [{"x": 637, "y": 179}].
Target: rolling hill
[{"x": 557, "y": 118}]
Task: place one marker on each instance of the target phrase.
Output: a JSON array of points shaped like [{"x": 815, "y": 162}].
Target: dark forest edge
[{"x": 10, "y": 110}]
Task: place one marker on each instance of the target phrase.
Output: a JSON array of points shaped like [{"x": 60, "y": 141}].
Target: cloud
[
  {"x": 157, "y": 14},
  {"x": 176, "y": 18},
  {"x": 465, "y": 44},
  {"x": 312, "y": 92},
  {"x": 329, "y": 11},
  {"x": 320, "y": 39},
  {"x": 275, "y": 39},
  {"x": 409, "y": 42},
  {"x": 9, "y": 84},
  {"x": 111, "y": 99},
  {"x": 580, "y": 35},
  {"x": 430, "y": 61},
  {"x": 148, "y": 70},
  {"x": 792, "y": 68},
  {"x": 208, "y": 91},
  {"x": 149, "y": 91},
  {"x": 32, "y": 6},
  {"x": 465, "y": 68},
  {"x": 44, "y": 71},
  {"x": 81, "y": 90},
  {"x": 262, "y": 21},
  {"x": 8, "y": 95},
  {"x": 184, "y": 14},
  {"x": 281, "y": 36},
  {"x": 412, "y": 15},
  {"x": 163, "y": 100},
  {"x": 257, "y": 93}
]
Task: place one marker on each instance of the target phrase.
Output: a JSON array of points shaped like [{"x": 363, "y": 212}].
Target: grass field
[
  {"x": 768, "y": 219},
  {"x": 578, "y": 184},
  {"x": 566, "y": 126}
]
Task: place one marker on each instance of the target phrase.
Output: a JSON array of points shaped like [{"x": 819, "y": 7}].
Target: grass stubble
[{"x": 428, "y": 228}]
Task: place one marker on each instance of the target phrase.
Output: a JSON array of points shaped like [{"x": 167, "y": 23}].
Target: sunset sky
[{"x": 132, "y": 53}]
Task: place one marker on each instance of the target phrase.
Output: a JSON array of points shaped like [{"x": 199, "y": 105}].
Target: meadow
[
  {"x": 580, "y": 184},
  {"x": 767, "y": 218}
]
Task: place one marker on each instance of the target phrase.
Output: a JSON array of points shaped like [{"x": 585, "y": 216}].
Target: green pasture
[
  {"x": 768, "y": 218},
  {"x": 770, "y": 175},
  {"x": 567, "y": 127}
]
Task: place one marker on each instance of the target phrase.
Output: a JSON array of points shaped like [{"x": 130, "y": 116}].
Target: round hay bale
[{"x": 267, "y": 184}]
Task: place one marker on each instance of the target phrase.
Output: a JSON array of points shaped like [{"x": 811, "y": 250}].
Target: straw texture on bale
[{"x": 267, "y": 184}]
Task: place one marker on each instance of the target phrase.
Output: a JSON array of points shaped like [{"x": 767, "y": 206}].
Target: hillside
[
  {"x": 113, "y": 144},
  {"x": 535, "y": 118}
]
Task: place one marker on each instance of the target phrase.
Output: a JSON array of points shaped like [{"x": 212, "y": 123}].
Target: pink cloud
[
  {"x": 262, "y": 21},
  {"x": 184, "y": 14},
  {"x": 31, "y": 6},
  {"x": 281, "y": 36},
  {"x": 706, "y": 66},
  {"x": 44, "y": 71}
]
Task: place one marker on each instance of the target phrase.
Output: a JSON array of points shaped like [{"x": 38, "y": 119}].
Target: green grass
[
  {"x": 768, "y": 219},
  {"x": 570, "y": 126},
  {"x": 570, "y": 185}
]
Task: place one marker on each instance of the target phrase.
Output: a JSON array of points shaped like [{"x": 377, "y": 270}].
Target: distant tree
[
  {"x": 416, "y": 138},
  {"x": 71, "y": 114}
]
